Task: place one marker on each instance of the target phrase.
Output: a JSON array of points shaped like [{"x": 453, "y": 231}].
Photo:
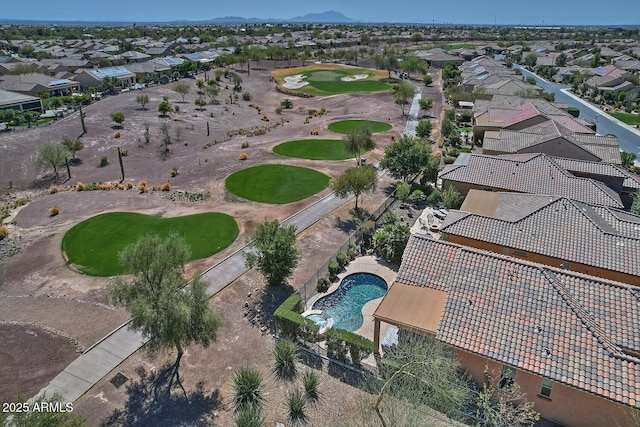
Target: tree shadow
[
  {"x": 311, "y": 359},
  {"x": 347, "y": 226},
  {"x": 151, "y": 402},
  {"x": 345, "y": 375},
  {"x": 272, "y": 297}
]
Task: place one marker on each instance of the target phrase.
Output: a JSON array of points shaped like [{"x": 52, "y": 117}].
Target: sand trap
[
  {"x": 295, "y": 81},
  {"x": 353, "y": 78}
]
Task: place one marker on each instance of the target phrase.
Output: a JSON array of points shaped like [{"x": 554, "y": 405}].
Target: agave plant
[{"x": 248, "y": 386}]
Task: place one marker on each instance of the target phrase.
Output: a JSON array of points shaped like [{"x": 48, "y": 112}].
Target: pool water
[
  {"x": 345, "y": 304},
  {"x": 318, "y": 320}
]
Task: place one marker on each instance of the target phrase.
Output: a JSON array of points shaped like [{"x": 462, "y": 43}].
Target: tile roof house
[
  {"x": 555, "y": 140},
  {"x": 571, "y": 341},
  {"x": 94, "y": 77},
  {"x": 554, "y": 231},
  {"x": 34, "y": 83},
  {"x": 534, "y": 173}
]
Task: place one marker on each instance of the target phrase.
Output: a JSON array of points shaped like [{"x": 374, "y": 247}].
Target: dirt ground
[{"x": 48, "y": 312}]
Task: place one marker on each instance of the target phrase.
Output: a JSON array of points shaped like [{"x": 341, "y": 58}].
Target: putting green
[
  {"x": 326, "y": 79},
  {"x": 344, "y": 126},
  {"x": 314, "y": 149},
  {"x": 276, "y": 184},
  {"x": 93, "y": 246}
]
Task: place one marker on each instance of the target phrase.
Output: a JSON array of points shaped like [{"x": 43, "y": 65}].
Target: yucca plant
[
  {"x": 249, "y": 416},
  {"x": 248, "y": 386},
  {"x": 296, "y": 403},
  {"x": 285, "y": 356},
  {"x": 310, "y": 381}
]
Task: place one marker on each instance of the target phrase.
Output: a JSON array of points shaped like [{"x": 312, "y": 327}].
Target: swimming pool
[{"x": 345, "y": 304}]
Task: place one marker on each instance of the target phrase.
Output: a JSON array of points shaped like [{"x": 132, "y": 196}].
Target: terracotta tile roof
[
  {"x": 529, "y": 173},
  {"x": 568, "y": 327},
  {"x": 559, "y": 228},
  {"x": 631, "y": 180}
]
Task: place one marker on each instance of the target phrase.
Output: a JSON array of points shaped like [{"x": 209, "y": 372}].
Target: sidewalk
[{"x": 100, "y": 359}]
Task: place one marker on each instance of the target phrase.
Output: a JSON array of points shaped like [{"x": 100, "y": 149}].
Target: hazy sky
[{"x": 540, "y": 12}]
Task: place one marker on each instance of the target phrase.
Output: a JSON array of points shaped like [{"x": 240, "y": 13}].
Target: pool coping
[{"x": 364, "y": 264}]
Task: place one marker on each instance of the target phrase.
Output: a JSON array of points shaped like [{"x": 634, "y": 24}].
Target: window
[
  {"x": 507, "y": 377},
  {"x": 547, "y": 385}
]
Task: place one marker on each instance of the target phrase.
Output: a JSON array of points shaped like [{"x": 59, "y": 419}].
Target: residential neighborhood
[{"x": 320, "y": 223}]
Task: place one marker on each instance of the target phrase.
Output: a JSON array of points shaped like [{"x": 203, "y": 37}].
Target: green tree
[
  {"x": 212, "y": 91},
  {"x": 142, "y": 99},
  {"x": 356, "y": 181},
  {"x": 51, "y": 156},
  {"x": 200, "y": 86},
  {"x": 73, "y": 145},
  {"x": 451, "y": 198},
  {"x": 200, "y": 103},
  {"x": 426, "y": 103},
  {"x": 164, "y": 108},
  {"x": 405, "y": 157},
  {"x": 403, "y": 93},
  {"x": 391, "y": 239},
  {"x": 286, "y": 103},
  {"x": 627, "y": 159},
  {"x": 358, "y": 140},
  {"x": 561, "y": 60},
  {"x": 446, "y": 127},
  {"x": 635, "y": 206},
  {"x": 530, "y": 60},
  {"x": 181, "y": 88},
  {"x": 117, "y": 117},
  {"x": 273, "y": 251},
  {"x": 166, "y": 312},
  {"x": 424, "y": 128},
  {"x": 237, "y": 82},
  {"x": 402, "y": 192}
]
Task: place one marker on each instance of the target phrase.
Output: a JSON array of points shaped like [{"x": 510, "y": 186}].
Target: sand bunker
[
  {"x": 295, "y": 81},
  {"x": 353, "y": 78}
]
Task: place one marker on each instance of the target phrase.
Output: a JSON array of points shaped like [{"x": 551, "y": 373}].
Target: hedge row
[
  {"x": 341, "y": 342},
  {"x": 289, "y": 321}
]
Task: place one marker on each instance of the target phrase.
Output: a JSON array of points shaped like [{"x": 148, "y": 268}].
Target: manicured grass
[
  {"x": 345, "y": 126},
  {"x": 630, "y": 119},
  {"x": 276, "y": 184},
  {"x": 326, "y": 79},
  {"x": 93, "y": 246},
  {"x": 314, "y": 149}
]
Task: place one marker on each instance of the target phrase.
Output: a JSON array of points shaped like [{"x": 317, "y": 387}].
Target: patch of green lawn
[
  {"x": 276, "y": 184},
  {"x": 329, "y": 82},
  {"x": 344, "y": 126},
  {"x": 314, "y": 149},
  {"x": 94, "y": 245},
  {"x": 629, "y": 119}
]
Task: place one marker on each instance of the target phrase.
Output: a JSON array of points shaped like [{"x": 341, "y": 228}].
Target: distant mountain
[{"x": 329, "y": 17}]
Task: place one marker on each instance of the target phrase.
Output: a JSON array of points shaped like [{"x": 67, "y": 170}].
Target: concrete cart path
[{"x": 100, "y": 359}]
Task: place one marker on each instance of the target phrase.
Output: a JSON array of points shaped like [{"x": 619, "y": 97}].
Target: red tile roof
[{"x": 565, "y": 326}]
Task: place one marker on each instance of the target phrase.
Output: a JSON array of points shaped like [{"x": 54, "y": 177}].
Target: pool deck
[{"x": 364, "y": 264}]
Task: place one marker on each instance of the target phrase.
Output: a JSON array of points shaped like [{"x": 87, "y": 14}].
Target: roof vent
[
  {"x": 547, "y": 352},
  {"x": 620, "y": 244},
  {"x": 539, "y": 329}
]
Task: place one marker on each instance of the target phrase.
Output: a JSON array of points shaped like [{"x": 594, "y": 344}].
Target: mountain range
[{"x": 328, "y": 17}]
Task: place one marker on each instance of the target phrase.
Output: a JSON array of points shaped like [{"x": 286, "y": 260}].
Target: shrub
[
  {"x": 296, "y": 404},
  {"x": 242, "y": 156},
  {"x": 129, "y": 185},
  {"x": 244, "y": 145},
  {"x": 265, "y": 119},
  {"x": 249, "y": 416},
  {"x": 246, "y": 96},
  {"x": 278, "y": 110},
  {"x": 79, "y": 186},
  {"x": 351, "y": 254},
  {"x": 417, "y": 197},
  {"x": 120, "y": 186},
  {"x": 248, "y": 386},
  {"x": 334, "y": 268},
  {"x": 310, "y": 382},
  {"x": 177, "y": 109},
  {"x": 341, "y": 342},
  {"x": 289, "y": 321},
  {"x": 105, "y": 186},
  {"x": 3, "y": 232},
  {"x": 104, "y": 161},
  {"x": 166, "y": 186},
  {"x": 116, "y": 134},
  {"x": 54, "y": 189},
  {"x": 286, "y": 104},
  {"x": 323, "y": 284},
  {"x": 342, "y": 259},
  {"x": 124, "y": 152},
  {"x": 285, "y": 355},
  {"x": 435, "y": 197},
  {"x": 367, "y": 230},
  {"x": 54, "y": 210},
  {"x": 174, "y": 172}
]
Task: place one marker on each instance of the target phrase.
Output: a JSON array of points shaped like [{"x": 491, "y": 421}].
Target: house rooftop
[
  {"x": 557, "y": 227},
  {"x": 529, "y": 173},
  {"x": 575, "y": 329}
]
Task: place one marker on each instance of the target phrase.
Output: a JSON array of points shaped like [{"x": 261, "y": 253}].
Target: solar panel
[
  {"x": 110, "y": 72},
  {"x": 173, "y": 61},
  {"x": 482, "y": 77},
  {"x": 194, "y": 56},
  {"x": 59, "y": 82}
]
